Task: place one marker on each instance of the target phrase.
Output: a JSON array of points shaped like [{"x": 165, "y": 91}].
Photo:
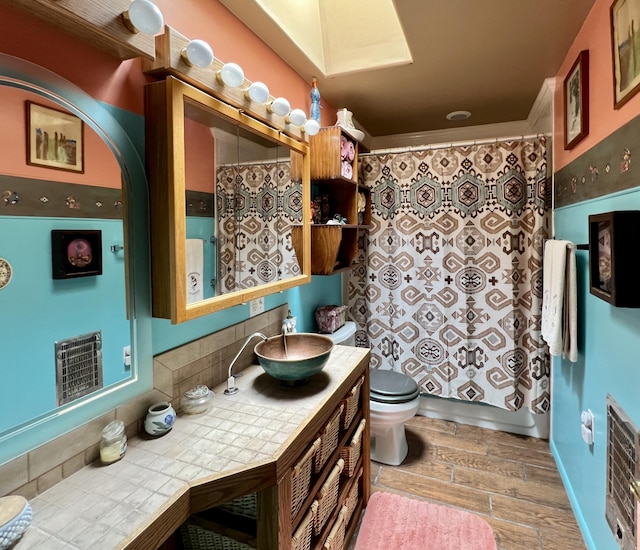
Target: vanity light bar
[{"x": 226, "y": 82}]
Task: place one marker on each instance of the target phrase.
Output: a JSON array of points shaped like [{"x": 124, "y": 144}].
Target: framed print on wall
[
  {"x": 76, "y": 253},
  {"x": 576, "y": 101},
  {"x": 625, "y": 47},
  {"x": 55, "y": 139},
  {"x": 612, "y": 241}
]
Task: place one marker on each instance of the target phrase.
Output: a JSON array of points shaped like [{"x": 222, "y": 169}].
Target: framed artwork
[
  {"x": 76, "y": 253},
  {"x": 612, "y": 241},
  {"x": 625, "y": 47},
  {"x": 55, "y": 139},
  {"x": 576, "y": 101}
]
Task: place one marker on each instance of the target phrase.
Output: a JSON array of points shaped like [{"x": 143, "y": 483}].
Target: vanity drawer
[
  {"x": 327, "y": 497},
  {"x": 301, "y": 477},
  {"x": 195, "y": 537},
  {"x": 351, "y": 453},
  {"x": 335, "y": 538},
  {"x": 351, "y": 404},
  {"x": 301, "y": 539},
  {"x": 328, "y": 439},
  {"x": 353, "y": 496}
]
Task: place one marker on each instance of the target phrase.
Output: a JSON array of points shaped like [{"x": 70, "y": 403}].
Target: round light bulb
[
  {"x": 297, "y": 117},
  {"x": 231, "y": 75},
  {"x": 198, "y": 54},
  {"x": 311, "y": 127},
  {"x": 144, "y": 16},
  {"x": 280, "y": 106},
  {"x": 257, "y": 92}
]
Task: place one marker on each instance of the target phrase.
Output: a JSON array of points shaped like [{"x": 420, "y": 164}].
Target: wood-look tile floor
[{"x": 509, "y": 480}]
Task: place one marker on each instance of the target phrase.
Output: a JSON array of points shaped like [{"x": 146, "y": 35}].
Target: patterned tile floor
[{"x": 509, "y": 480}]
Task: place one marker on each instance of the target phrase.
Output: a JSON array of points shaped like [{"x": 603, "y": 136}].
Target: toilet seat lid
[{"x": 389, "y": 386}]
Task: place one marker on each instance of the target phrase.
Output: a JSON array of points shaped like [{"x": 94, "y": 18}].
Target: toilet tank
[{"x": 345, "y": 335}]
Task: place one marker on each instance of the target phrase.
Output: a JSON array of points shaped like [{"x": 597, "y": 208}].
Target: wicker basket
[
  {"x": 301, "y": 478},
  {"x": 327, "y": 496},
  {"x": 351, "y": 500},
  {"x": 328, "y": 440},
  {"x": 301, "y": 539},
  {"x": 351, "y": 453},
  {"x": 335, "y": 538},
  {"x": 351, "y": 403},
  {"x": 246, "y": 505},
  {"x": 195, "y": 537}
]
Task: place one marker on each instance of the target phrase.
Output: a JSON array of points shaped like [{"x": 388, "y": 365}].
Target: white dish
[{"x": 356, "y": 134}]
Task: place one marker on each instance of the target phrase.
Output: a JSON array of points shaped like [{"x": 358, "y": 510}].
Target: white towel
[
  {"x": 195, "y": 265},
  {"x": 559, "y": 300}
]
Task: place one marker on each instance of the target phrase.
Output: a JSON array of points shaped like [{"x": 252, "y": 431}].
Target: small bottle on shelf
[{"x": 315, "y": 101}]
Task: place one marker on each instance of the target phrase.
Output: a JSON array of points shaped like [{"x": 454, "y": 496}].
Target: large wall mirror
[
  {"x": 226, "y": 193},
  {"x": 65, "y": 335}
]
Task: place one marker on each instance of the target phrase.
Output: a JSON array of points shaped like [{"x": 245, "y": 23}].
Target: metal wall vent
[
  {"x": 78, "y": 366},
  {"x": 622, "y": 469}
]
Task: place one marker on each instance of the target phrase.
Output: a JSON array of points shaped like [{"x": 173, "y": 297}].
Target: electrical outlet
[{"x": 256, "y": 306}]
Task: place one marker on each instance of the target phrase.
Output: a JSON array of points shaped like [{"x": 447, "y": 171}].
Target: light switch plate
[{"x": 256, "y": 306}]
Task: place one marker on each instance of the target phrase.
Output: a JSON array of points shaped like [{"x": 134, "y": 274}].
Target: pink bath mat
[{"x": 393, "y": 521}]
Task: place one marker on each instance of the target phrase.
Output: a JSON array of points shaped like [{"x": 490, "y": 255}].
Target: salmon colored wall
[
  {"x": 101, "y": 167},
  {"x": 199, "y": 167},
  {"x": 100, "y": 75},
  {"x": 594, "y": 36}
]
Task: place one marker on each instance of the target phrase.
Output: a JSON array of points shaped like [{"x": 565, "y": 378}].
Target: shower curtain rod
[{"x": 447, "y": 144}]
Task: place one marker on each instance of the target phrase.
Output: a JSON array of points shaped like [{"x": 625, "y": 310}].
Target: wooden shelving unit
[{"x": 333, "y": 247}]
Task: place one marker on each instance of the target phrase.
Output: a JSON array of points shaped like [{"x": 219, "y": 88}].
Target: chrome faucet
[{"x": 231, "y": 381}]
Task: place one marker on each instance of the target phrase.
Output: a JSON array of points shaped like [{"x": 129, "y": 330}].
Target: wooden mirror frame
[{"x": 165, "y": 158}]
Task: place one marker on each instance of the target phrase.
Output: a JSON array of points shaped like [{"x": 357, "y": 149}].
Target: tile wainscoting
[{"x": 203, "y": 361}]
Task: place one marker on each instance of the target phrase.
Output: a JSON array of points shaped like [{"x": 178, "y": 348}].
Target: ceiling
[{"x": 489, "y": 57}]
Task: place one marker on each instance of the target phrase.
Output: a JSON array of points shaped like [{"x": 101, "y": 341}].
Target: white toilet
[
  {"x": 394, "y": 398},
  {"x": 345, "y": 335}
]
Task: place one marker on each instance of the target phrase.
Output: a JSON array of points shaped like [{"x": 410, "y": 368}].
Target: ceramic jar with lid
[
  {"x": 160, "y": 418},
  {"x": 113, "y": 443}
]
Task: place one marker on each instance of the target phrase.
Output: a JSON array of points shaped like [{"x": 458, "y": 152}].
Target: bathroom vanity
[{"x": 298, "y": 455}]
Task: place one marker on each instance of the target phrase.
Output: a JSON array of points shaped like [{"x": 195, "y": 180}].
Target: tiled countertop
[{"x": 100, "y": 507}]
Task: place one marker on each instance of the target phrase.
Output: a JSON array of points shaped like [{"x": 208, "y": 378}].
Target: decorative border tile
[{"x": 606, "y": 168}]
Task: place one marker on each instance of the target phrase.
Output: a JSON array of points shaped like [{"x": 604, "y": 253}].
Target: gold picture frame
[
  {"x": 55, "y": 139},
  {"x": 625, "y": 48}
]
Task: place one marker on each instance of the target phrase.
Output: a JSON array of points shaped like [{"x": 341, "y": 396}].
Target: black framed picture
[
  {"x": 576, "y": 101},
  {"x": 76, "y": 253},
  {"x": 612, "y": 242}
]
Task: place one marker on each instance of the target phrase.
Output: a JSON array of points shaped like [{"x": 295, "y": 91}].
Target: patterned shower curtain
[
  {"x": 257, "y": 205},
  {"x": 448, "y": 288}
]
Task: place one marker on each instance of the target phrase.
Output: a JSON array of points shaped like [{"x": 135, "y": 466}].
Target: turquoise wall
[
  {"x": 55, "y": 310},
  {"x": 608, "y": 340}
]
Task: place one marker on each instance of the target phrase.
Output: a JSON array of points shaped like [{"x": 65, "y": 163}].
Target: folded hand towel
[
  {"x": 559, "y": 326},
  {"x": 195, "y": 265}
]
